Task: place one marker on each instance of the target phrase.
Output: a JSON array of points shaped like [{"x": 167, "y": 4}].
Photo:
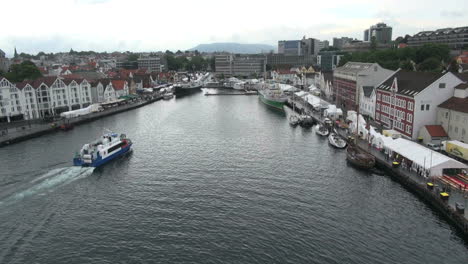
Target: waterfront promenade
[
  {"x": 17, "y": 132},
  {"x": 409, "y": 179}
]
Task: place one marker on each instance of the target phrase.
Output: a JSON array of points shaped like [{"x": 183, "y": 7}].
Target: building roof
[
  {"x": 410, "y": 83},
  {"x": 328, "y": 76},
  {"x": 456, "y": 104},
  {"x": 436, "y": 131},
  {"x": 368, "y": 90},
  {"x": 354, "y": 67},
  {"x": 462, "y": 76},
  {"x": 462, "y": 86},
  {"x": 118, "y": 84},
  {"x": 49, "y": 80},
  {"x": 442, "y": 31}
]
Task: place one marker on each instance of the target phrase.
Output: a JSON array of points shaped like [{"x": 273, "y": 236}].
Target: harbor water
[{"x": 211, "y": 179}]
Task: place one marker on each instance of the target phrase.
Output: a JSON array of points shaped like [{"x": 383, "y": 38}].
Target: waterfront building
[
  {"x": 359, "y": 46},
  {"x": 4, "y": 62},
  {"x": 42, "y": 97},
  {"x": 285, "y": 61},
  {"x": 328, "y": 60},
  {"x": 284, "y": 76},
  {"x": 455, "y": 38},
  {"x": 290, "y": 47},
  {"x": 156, "y": 64},
  {"x": 324, "y": 81},
  {"x": 340, "y": 42},
  {"x": 109, "y": 93},
  {"x": 242, "y": 65},
  {"x": 407, "y": 101},
  {"x": 323, "y": 45},
  {"x": 452, "y": 114},
  {"x": 353, "y": 76},
  {"x": 306, "y": 46},
  {"x": 432, "y": 134},
  {"x": 367, "y": 101},
  {"x": 381, "y": 32},
  {"x": 120, "y": 87}
]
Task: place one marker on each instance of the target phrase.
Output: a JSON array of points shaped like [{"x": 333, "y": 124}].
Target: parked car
[{"x": 433, "y": 146}]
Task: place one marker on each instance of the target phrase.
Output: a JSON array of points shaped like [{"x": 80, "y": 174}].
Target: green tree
[
  {"x": 453, "y": 66},
  {"x": 25, "y": 70},
  {"x": 132, "y": 57},
  {"x": 213, "y": 63},
  {"x": 373, "y": 44},
  {"x": 406, "y": 65},
  {"x": 430, "y": 64}
]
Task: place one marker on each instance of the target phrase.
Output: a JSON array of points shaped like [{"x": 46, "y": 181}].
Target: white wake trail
[{"x": 49, "y": 181}]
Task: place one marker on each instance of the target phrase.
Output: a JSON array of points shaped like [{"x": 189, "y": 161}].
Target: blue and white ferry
[{"x": 108, "y": 147}]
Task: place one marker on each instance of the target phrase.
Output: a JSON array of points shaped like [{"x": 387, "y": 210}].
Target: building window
[
  {"x": 446, "y": 114},
  {"x": 427, "y": 107},
  {"x": 410, "y": 106},
  {"x": 422, "y": 107},
  {"x": 441, "y": 85},
  {"x": 456, "y": 130}
]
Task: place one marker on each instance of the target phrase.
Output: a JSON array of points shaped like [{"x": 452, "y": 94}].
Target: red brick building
[{"x": 407, "y": 101}]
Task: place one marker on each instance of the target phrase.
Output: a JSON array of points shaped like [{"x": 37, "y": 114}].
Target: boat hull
[
  {"x": 185, "y": 91},
  {"x": 334, "y": 144},
  {"x": 365, "y": 161},
  {"x": 276, "y": 104},
  {"x": 100, "y": 162}
]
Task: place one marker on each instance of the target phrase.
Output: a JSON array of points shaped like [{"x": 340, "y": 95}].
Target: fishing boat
[
  {"x": 336, "y": 141},
  {"x": 322, "y": 131},
  {"x": 359, "y": 158},
  {"x": 108, "y": 147},
  {"x": 273, "y": 96}
]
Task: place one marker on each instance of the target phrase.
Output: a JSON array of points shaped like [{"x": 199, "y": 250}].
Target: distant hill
[{"x": 234, "y": 48}]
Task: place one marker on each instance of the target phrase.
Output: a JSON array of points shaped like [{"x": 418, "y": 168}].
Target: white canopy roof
[
  {"x": 424, "y": 157},
  {"x": 287, "y": 87},
  {"x": 301, "y": 94}
]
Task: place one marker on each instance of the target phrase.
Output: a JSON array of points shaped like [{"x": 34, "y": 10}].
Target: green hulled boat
[{"x": 273, "y": 97}]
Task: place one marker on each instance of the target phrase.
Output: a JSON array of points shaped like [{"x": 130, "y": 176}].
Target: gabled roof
[
  {"x": 436, "y": 131},
  {"x": 46, "y": 80},
  {"x": 456, "y": 104},
  {"x": 118, "y": 84},
  {"x": 354, "y": 67},
  {"x": 462, "y": 86},
  {"x": 462, "y": 76},
  {"x": 368, "y": 90},
  {"x": 328, "y": 76},
  {"x": 410, "y": 83}
]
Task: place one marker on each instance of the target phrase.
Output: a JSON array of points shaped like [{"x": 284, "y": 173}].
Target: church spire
[{"x": 16, "y": 53}]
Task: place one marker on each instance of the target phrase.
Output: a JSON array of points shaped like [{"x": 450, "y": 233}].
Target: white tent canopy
[
  {"x": 424, "y": 157},
  {"x": 301, "y": 94},
  {"x": 287, "y": 88}
]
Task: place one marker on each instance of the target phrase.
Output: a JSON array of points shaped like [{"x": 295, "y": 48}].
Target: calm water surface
[{"x": 212, "y": 179}]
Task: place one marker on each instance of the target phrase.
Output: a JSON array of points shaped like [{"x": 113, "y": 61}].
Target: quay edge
[{"x": 81, "y": 120}]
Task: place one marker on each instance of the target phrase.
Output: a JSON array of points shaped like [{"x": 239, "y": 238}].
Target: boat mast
[{"x": 357, "y": 116}]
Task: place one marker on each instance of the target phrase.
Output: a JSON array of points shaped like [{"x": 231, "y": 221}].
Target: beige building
[{"x": 452, "y": 114}]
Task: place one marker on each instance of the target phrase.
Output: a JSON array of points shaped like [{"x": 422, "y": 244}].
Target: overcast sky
[{"x": 142, "y": 25}]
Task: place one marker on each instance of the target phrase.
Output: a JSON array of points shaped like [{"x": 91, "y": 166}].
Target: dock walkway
[{"x": 34, "y": 129}]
